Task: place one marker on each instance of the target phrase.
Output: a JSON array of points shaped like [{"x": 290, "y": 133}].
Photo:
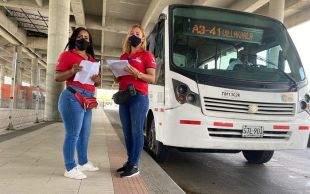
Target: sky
[{"x": 301, "y": 39}]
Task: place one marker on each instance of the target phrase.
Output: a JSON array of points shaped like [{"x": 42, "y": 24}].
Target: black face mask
[
  {"x": 134, "y": 41},
  {"x": 82, "y": 44}
]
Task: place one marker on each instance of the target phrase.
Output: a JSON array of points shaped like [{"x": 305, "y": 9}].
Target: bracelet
[{"x": 139, "y": 74}]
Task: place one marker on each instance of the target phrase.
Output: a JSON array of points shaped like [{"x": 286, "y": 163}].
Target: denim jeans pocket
[{"x": 69, "y": 101}]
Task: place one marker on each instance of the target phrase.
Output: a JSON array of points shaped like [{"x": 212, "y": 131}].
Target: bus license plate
[{"x": 252, "y": 131}]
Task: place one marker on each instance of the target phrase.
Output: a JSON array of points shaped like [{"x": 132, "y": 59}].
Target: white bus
[{"x": 226, "y": 81}]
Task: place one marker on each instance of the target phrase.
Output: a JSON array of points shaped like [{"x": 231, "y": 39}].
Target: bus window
[
  {"x": 179, "y": 59},
  {"x": 261, "y": 55},
  {"x": 207, "y": 59},
  {"x": 205, "y": 55},
  {"x": 210, "y": 43},
  {"x": 227, "y": 58},
  {"x": 151, "y": 43},
  {"x": 207, "y": 65},
  {"x": 159, "y": 58},
  {"x": 155, "y": 44},
  {"x": 287, "y": 67}
]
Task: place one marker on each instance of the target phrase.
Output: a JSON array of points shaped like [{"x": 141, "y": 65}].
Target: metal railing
[{"x": 20, "y": 113}]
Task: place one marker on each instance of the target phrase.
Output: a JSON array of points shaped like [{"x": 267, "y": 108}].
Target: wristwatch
[{"x": 139, "y": 75}]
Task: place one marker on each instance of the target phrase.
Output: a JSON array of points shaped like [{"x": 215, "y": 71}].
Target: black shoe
[
  {"x": 123, "y": 168},
  {"x": 131, "y": 171}
]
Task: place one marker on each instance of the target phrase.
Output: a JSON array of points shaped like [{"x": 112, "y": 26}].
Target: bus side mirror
[{"x": 162, "y": 17}]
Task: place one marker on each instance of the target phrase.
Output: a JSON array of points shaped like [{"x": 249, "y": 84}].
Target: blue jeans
[
  {"x": 77, "y": 122},
  {"x": 132, "y": 115}
]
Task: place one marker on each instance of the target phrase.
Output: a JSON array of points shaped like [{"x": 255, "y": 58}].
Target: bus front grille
[
  {"x": 248, "y": 107},
  {"x": 237, "y": 133}
]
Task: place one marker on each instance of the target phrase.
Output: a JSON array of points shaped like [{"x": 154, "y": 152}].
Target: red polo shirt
[
  {"x": 65, "y": 62},
  {"x": 141, "y": 60}
]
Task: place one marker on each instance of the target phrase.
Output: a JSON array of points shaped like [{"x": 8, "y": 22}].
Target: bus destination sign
[{"x": 225, "y": 32}]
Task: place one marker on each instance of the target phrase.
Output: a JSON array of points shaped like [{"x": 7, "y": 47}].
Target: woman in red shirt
[
  {"x": 132, "y": 113},
  {"x": 77, "y": 120}
]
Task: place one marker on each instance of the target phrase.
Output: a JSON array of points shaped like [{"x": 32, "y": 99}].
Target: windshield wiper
[{"x": 293, "y": 83}]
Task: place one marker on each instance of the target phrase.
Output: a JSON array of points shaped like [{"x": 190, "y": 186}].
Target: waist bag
[
  {"x": 86, "y": 102},
  {"x": 121, "y": 97}
]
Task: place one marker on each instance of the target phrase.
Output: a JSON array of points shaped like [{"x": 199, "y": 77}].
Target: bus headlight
[
  {"x": 181, "y": 99},
  {"x": 183, "y": 94},
  {"x": 182, "y": 89},
  {"x": 303, "y": 105},
  {"x": 190, "y": 98}
]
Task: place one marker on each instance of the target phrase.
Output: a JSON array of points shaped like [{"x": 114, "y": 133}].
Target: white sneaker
[
  {"x": 75, "y": 173},
  {"x": 88, "y": 167}
]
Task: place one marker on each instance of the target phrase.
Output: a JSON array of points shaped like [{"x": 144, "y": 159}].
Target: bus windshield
[{"x": 234, "y": 45}]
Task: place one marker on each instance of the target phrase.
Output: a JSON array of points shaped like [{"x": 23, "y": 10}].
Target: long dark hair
[{"x": 71, "y": 43}]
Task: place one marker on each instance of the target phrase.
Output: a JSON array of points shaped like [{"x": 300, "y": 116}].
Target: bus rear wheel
[
  {"x": 258, "y": 156},
  {"x": 155, "y": 148}
]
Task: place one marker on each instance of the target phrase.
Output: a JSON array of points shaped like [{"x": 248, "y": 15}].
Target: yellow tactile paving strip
[{"x": 117, "y": 156}]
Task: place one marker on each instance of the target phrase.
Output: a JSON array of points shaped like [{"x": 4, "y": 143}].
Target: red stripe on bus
[
  {"x": 162, "y": 110},
  {"x": 220, "y": 124},
  {"x": 190, "y": 122},
  {"x": 303, "y": 128},
  {"x": 156, "y": 109},
  {"x": 286, "y": 127}
]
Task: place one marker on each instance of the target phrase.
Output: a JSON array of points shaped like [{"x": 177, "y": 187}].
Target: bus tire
[
  {"x": 257, "y": 156},
  {"x": 155, "y": 148}
]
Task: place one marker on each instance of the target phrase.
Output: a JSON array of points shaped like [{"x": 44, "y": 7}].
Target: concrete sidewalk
[{"x": 33, "y": 163}]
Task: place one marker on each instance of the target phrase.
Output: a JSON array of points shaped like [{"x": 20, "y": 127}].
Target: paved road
[{"x": 287, "y": 173}]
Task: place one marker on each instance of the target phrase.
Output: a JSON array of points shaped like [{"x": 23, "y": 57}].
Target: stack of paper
[
  {"x": 89, "y": 69},
  {"x": 118, "y": 67}
]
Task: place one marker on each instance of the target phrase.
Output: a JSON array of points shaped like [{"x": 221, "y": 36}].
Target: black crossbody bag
[{"x": 123, "y": 96}]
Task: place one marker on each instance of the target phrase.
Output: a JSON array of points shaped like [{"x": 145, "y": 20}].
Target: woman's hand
[
  {"x": 61, "y": 76},
  {"x": 132, "y": 70},
  {"x": 96, "y": 78},
  {"x": 76, "y": 68}
]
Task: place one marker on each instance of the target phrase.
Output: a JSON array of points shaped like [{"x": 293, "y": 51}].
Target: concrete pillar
[
  {"x": 276, "y": 9},
  {"x": 58, "y": 33},
  {"x": 34, "y": 72},
  {"x": 1, "y": 79},
  {"x": 13, "y": 83},
  {"x": 39, "y": 78},
  {"x": 19, "y": 60},
  {"x": 43, "y": 78}
]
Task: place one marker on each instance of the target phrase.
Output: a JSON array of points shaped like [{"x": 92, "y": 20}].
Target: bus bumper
[{"x": 196, "y": 130}]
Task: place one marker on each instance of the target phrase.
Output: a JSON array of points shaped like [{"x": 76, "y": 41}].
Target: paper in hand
[
  {"x": 118, "y": 67},
  {"x": 89, "y": 69}
]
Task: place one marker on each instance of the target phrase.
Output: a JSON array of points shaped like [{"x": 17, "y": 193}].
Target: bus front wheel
[
  {"x": 258, "y": 156},
  {"x": 156, "y": 148}
]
